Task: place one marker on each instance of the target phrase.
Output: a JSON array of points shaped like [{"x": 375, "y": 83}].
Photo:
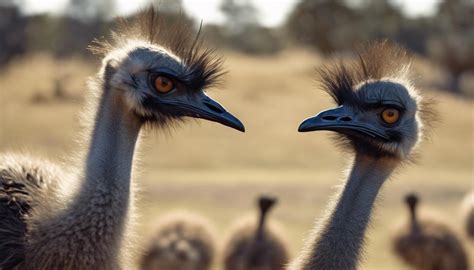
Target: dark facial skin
[{"x": 162, "y": 87}]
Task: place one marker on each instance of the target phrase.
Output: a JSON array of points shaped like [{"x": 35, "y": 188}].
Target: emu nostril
[
  {"x": 345, "y": 119},
  {"x": 329, "y": 118},
  {"x": 214, "y": 108}
]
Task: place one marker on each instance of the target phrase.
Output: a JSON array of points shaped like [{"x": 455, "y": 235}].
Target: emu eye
[
  {"x": 163, "y": 84},
  {"x": 390, "y": 115}
]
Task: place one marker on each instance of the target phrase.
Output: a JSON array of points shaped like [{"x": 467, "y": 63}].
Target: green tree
[
  {"x": 91, "y": 9},
  {"x": 13, "y": 39},
  {"x": 239, "y": 15},
  {"x": 324, "y": 24},
  {"x": 242, "y": 30},
  {"x": 453, "y": 46}
]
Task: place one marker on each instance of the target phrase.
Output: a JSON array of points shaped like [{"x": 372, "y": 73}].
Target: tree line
[{"x": 327, "y": 26}]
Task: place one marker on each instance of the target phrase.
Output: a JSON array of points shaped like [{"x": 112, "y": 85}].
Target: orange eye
[
  {"x": 390, "y": 115},
  {"x": 163, "y": 84}
]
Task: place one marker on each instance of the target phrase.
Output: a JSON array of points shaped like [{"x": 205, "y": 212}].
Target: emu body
[
  {"x": 256, "y": 245},
  {"x": 427, "y": 244},
  {"x": 182, "y": 241}
]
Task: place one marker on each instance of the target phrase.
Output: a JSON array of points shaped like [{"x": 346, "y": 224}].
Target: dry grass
[{"x": 217, "y": 172}]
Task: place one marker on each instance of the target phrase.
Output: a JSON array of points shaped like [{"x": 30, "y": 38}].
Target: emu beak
[
  {"x": 205, "y": 107},
  {"x": 342, "y": 119}
]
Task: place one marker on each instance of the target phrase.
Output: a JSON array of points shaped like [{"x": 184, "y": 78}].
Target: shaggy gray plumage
[{"x": 84, "y": 219}]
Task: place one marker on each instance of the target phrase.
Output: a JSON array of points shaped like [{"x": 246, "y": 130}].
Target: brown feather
[
  {"x": 256, "y": 245},
  {"x": 426, "y": 243},
  {"x": 181, "y": 241}
]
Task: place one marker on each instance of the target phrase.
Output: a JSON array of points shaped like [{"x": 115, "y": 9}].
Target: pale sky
[{"x": 271, "y": 12}]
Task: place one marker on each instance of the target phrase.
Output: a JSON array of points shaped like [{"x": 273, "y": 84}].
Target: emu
[
  {"x": 256, "y": 246},
  {"x": 426, "y": 244},
  {"x": 182, "y": 241},
  {"x": 54, "y": 218},
  {"x": 380, "y": 118}
]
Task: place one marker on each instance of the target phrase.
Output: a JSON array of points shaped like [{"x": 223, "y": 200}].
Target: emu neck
[
  {"x": 338, "y": 241},
  {"x": 88, "y": 233},
  {"x": 111, "y": 150},
  {"x": 107, "y": 185},
  {"x": 259, "y": 234},
  {"x": 413, "y": 219}
]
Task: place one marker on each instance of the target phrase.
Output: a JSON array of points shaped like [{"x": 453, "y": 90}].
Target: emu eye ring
[
  {"x": 390, "y": 115},
  {"x": 163, "y": 84}
]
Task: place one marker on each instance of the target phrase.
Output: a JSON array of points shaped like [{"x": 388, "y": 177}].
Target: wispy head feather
[
  {"x": 376, "y": 61},
  {"x": 204, "y": 67},
  {"x": 381, "y": 71},
  {"x": 379, "y": 60}
]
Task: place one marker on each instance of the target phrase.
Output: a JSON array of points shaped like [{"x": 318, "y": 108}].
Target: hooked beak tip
[
  {"x": 218, "y": 113},
  {"x": 229, "y": 120},
  {"x": 240, "y": 127},
  {"x": 306, "y": 125},
  {"x": 209, "y": 109}
]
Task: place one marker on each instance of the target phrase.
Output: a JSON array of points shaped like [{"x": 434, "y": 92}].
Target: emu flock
[{"x": 153, "y": 76}]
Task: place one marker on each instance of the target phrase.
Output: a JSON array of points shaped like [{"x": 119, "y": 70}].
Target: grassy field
[{"x": 217, "y": 172}]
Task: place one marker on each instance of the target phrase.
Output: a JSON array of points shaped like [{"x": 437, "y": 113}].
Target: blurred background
[{"x": 272, "y": 48}]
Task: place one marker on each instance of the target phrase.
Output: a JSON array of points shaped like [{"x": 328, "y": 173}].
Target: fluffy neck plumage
[
  {"x": 88, "y": 233},
  {"x": 338, "y": 240},
  {"x": 111, "y": 150}
]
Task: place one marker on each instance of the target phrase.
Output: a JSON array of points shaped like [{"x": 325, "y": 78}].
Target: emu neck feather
[
  {"x": 88, "y": 232},
  {"x": 338, "y": 240},
  {"x": 110, "y": 157}
]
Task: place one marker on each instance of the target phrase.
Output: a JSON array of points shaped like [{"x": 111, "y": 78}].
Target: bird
[
  {"x": 379, "y": 120},
  {"x": 182, "y": 241},
  {"x": 152, "y": 77},
  {"x": 427, "y": 244},
  {"x": 253, "y": 246},
  {"x": 467, "y": 209}
]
